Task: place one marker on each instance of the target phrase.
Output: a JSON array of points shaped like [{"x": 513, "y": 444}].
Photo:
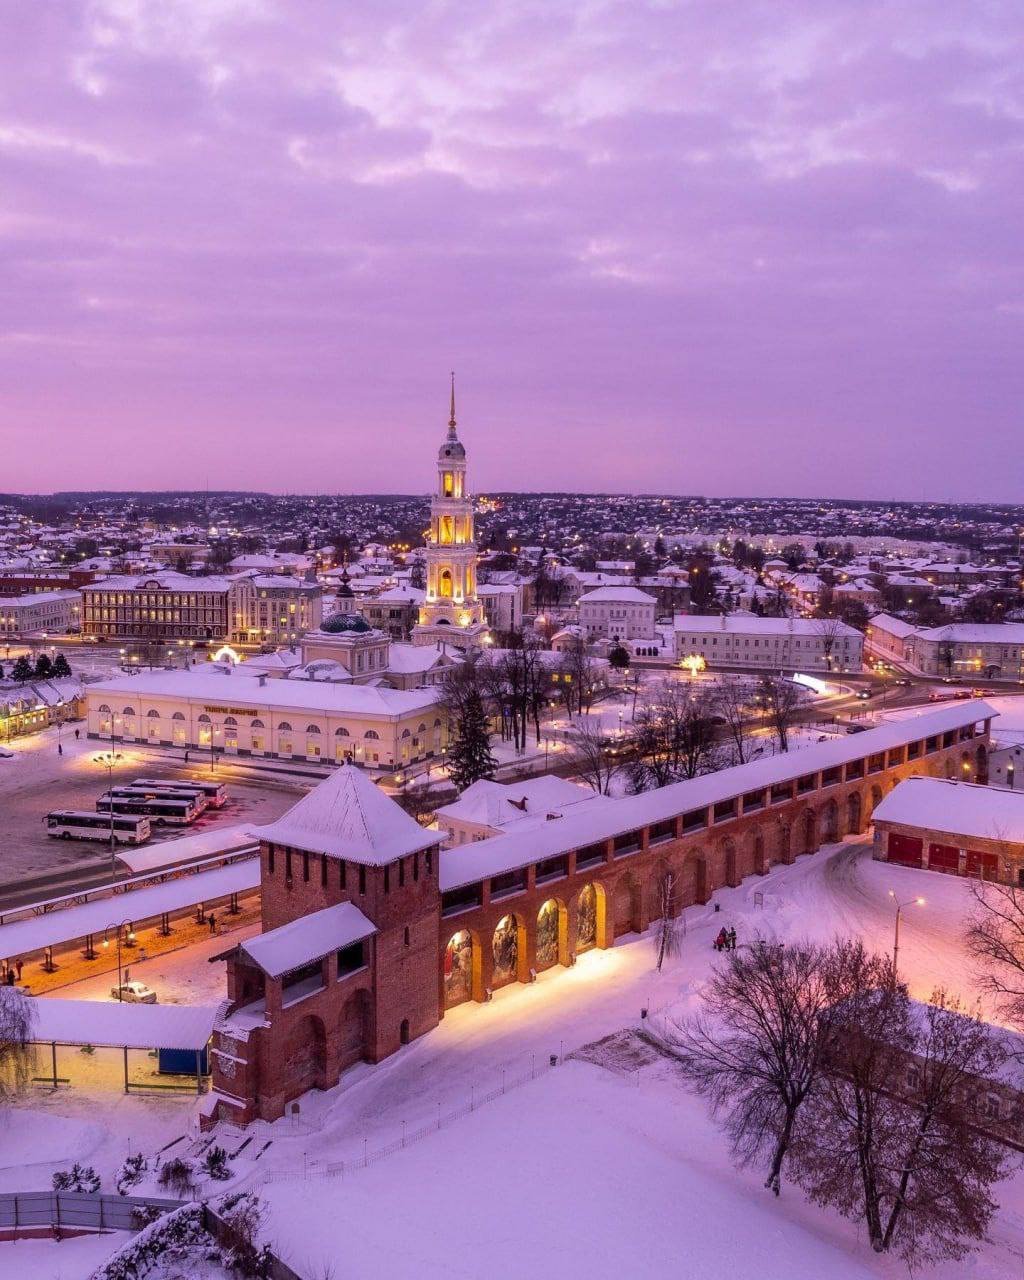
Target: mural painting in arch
[
  {"x": 830, "y": 823},
  {"x": 547, "y": 934},
  {"x": 458, "y": 969},
  {"x": 505, "y": 951},
  {"x": 586, "y": 918}
]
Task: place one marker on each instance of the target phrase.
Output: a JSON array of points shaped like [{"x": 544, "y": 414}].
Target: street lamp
[
  {"x": 129, "y": 936},
  {"x": 915, "y": 902},
  {"x": 107, "y": 760}
]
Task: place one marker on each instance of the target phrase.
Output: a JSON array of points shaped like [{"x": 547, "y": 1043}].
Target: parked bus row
[{"x": 126, "y": 814}]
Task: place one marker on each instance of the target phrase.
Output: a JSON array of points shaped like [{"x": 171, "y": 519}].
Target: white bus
[
  {"x": 216, "y": 792},
  {"x": 77, "y": 824},
  {"x": 175, "y": 811},
  {"x": 135, "y": 790}
]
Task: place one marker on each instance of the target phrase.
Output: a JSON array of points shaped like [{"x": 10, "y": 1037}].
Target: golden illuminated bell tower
[{"x": 451, "y": 612}]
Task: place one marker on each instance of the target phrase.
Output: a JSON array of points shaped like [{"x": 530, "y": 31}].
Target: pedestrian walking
[
  {"x": 60, "y": 749},
  {"x": 17, "y": 965},
  {"x": 186, "y": 757},
  {"x": 732, "y": 939},
  {"x": 76, "y": 735},
  {"x": 213, "y": 923}
]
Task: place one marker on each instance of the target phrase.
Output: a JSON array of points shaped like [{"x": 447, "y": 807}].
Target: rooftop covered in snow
[
  {"x": 466, "y": 864},
  {"x": 309, "y": 938},
  {"x": 113, "y": 1024},
  {"x": 956, "y": 808},
  {"x": 348, "y": 816}
]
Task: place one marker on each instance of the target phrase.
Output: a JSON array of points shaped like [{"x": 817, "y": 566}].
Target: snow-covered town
[{"x": 511, "y": 642}]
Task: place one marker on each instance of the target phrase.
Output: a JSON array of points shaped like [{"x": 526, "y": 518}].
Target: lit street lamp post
[
  {"x": 119, "y": 929},
  {"x": 916, "y": 902},
  {"x": 108, "y": 760}
]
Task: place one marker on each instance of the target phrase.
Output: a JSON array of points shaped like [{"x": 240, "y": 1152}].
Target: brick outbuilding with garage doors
[{"x": 959, "y": 828}]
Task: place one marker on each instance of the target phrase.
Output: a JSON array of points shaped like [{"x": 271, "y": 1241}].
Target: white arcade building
[{"x": 451, "y": 613}]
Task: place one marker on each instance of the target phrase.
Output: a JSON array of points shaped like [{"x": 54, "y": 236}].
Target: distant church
[{"x": 451, "y": 613}]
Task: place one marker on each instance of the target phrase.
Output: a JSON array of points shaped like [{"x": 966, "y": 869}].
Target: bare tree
[
  {"x": 782, "y": 699},
  {"x": 895, "y": 1134},
  {"x": 732, "y": 703},
  {"x": 995, "y": 936},
  {"x": 829, "y": 630},
  {"x": 756, "y": 1046},
  {"x": 17, "y": 1021},
  {"x": 667, "y": 939},
  {"x": 594, "y": 762},
  {"x": 581, "y": 678},
  {"x": 672, "y": 735}
]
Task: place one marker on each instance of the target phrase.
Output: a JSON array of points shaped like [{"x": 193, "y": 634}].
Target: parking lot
[{"x": 36, "y": 779}]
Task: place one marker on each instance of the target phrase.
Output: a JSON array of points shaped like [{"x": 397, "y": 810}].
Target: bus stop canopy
[
  {"x": 112, "y": 1024},
  {"x": 22, "y": 937}
]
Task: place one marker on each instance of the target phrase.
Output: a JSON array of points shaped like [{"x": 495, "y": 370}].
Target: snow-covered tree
[{"x": 61, "y": 666}]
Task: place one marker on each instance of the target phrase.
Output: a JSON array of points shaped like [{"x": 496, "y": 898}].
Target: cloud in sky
[{"x": 686, "y": 246}]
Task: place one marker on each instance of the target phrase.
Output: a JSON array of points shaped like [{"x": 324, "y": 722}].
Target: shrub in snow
[
  {"x": 177, "y": 1235},
  {"x": 215, "y": 1165},
  {"x": 243, "y": 1213},
  {"x": 77, "y": 1178},
  {"x": 178, "y": 1175},
  {"x": 130, "y": 1173}
]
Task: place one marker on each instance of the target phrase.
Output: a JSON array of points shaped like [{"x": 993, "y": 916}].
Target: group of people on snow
[{"x": 726, "y": 940}]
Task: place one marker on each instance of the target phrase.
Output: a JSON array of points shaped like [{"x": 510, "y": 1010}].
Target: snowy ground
[
  {"x": 601, "y": 1168},
  {"x": 36, "y": 779},
  {"x": 70, "y": 1259}
]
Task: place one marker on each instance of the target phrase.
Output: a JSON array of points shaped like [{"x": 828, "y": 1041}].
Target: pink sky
[{"x": 702, "y": 247}]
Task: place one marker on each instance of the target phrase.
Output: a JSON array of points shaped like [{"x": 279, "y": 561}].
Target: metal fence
[{"x": 82, "y": 1209}]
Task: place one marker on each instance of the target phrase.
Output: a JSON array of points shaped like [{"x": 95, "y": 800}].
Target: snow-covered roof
[
  {"x": 957, "y": 808},
  {"x": 116, "y": 1024},
  {"x": 203, "y": 844},
  {"x": 466, "y": 864},
  {"x": 309, "y": 938},
  {"x": 348, "y": 816},
  {"x": 891, "y": 626},
  {"x": 278, "y": 695},
  {"x": 165, "y": 580},
  {"x": 748, "y": 623},
  {"x": 504, "y": 805},
  {"x": 624, "y": 595},
  {"x": 407, "y": 659},
  {"x": 977, "y": 633},
  {"x": 22, "y": 936},
  {"x": 39, "y": 597}
]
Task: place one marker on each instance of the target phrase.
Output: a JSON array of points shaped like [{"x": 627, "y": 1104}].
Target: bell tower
[{"x": 451, "y": 611}]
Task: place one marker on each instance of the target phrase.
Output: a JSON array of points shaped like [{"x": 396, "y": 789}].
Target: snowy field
[
  {"x": 70, "y": 1259},
  {"x": 602, "y": 1167}
]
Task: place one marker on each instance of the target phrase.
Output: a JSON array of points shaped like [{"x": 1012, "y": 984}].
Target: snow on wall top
[
  {"x": 958, "y": 808},
  {"x": 348, "y": 816},
  {"x": 467, "y": 864},
  {"x": 309, "y": 938}
]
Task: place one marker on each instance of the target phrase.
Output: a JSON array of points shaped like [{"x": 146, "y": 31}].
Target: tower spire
[{"x": 451, "y": 420}]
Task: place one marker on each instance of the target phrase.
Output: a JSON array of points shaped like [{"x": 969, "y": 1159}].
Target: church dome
[
  {"x": 339, "y": 622},
  {"x": 451, "y": 449}
]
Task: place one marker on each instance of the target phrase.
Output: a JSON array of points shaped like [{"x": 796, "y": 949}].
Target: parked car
[
  {"x": 857, "y": 728},
  {"x": 134, "y": 993}
]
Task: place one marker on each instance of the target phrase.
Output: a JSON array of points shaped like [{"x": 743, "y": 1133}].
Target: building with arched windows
[
  {"x": 372, "y": 931},
  {"x": 452, "y": 611}
]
